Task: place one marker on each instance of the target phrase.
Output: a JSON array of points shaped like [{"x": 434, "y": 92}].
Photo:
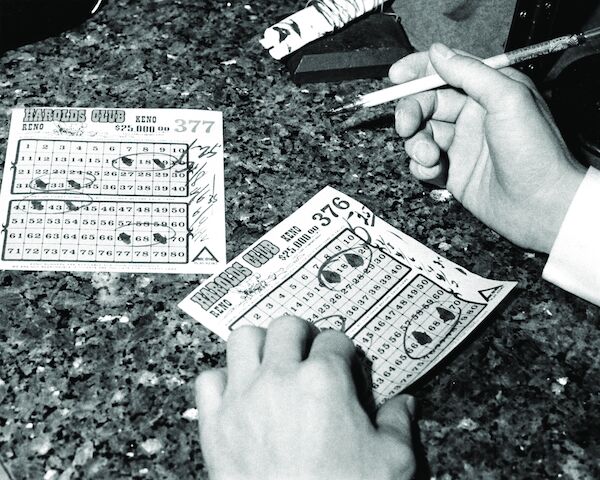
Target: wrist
[{"x": 555, "y": 208}]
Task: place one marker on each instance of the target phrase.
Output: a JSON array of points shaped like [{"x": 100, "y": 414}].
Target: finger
[
  {"x": 395, "y": 418},
  {"x": 244, "y": 353},
  {"x": 333, "y": 343},
  {"x": 423, "y": 149},
  {"x": 442, "y": 133},
  {"x": 442, "y": 104},
  {"x": 414, "y": 66},
  {"x": 436, "y": 175},
  {"x": 410, "y": 67},
  {"x": 496, "y": 92},
  {"x": 208, "y": 389},
  {"x": 408, "y": 117},
  {"x": 288, "y": 340}
]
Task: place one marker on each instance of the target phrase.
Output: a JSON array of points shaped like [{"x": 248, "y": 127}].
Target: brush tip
[
  {"x": 592, "y": 33},
  {"x": 349, "y": 107}
]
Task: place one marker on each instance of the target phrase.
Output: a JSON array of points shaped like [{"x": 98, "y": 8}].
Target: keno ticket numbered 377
[
  {"x": 130, "y": 190},
  {"x": 336, "y": 264}
]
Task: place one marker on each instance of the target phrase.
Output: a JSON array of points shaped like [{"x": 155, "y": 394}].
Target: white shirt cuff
[{"x": 574, "y": 262}]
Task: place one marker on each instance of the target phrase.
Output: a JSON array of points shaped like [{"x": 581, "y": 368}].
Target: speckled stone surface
[{"x": 96, "y": 370}]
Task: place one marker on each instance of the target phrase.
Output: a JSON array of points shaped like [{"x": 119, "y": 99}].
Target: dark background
[{"x": 84, "y": 396}]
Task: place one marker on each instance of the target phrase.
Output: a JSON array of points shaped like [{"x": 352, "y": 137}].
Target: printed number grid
[
  {"x": 410, "y": 331},
  {"x": 345, "y": 293},
  {"x": 86, "y": 231},
  {"x": 101, "y": 168}
]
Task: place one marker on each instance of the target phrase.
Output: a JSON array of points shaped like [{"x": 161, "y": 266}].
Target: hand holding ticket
[
  {"x": 288, "y": 396},
  {"x": 337, "y": 265}
]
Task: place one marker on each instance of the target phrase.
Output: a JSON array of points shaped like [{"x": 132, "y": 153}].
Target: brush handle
[
  {"x": 544, "y": 48},
  {"x": 420, "y": 85},
  {"x": 499, "y": 61}
]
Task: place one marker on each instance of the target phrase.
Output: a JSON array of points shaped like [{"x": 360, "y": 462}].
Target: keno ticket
[
  {"x": 336, "y": 264},
  {"x": 130, "y": 190}
]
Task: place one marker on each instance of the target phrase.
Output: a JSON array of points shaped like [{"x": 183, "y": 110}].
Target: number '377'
[{"x": 192, "y": 125}]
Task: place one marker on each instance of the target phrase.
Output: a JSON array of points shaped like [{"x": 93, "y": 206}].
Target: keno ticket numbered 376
[
  {"x": 336, "y": 264},
  {"x": 130, "y": 190}
]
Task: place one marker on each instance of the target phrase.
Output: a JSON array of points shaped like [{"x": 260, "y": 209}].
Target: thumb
[
  {"x": 493, "y": 90},
  {"x": 208, "y": 389},
  {"x": 395, "y": 417}
]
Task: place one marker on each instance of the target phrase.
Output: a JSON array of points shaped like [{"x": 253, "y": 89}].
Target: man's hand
[
  {"x": 491, "y": 142},
  {"x": 287, "y": 408}
]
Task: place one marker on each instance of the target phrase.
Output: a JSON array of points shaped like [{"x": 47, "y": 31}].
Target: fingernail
[
  {"x": 401, "y": 118},
  {"x": 442, "y": 50},
  {"x": 411, "y": 405}
]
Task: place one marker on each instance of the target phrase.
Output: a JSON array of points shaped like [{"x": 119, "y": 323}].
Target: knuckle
[
  {"x": 324, "y": 372},
  {"x": 467, "y": 61},
  {"x": 517, "y": 95},
  {"x": 277, "y": 373}
]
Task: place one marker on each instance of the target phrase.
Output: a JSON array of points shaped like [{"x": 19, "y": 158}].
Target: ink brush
[{"x": 431, "y": 82}]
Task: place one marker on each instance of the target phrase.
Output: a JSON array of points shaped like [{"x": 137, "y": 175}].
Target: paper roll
[{"x": 313, "y": 22}]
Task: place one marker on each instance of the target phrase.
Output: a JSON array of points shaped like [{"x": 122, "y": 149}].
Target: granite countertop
[{"x": 96, "y": 369}]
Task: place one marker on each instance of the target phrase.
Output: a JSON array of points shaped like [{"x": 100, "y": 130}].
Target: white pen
[{"x": 499, "y": 61}]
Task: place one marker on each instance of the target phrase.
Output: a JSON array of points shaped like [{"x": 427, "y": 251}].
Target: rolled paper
[{"x": 318, "y": 19}]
